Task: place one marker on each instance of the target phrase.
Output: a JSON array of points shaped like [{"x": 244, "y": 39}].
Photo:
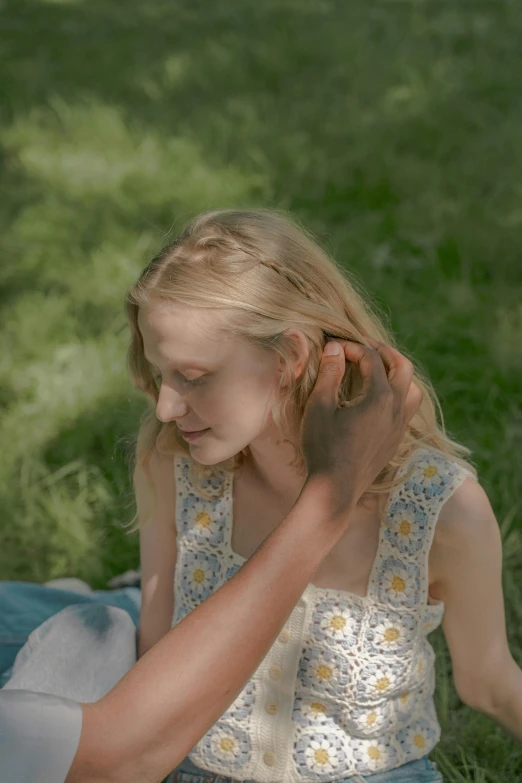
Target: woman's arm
[
  {"x": 157, "y": 548},
  {"x": 469, "y": 576}
]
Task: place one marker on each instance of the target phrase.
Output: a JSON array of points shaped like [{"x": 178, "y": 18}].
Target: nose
[{"x": 170, "y": 405}]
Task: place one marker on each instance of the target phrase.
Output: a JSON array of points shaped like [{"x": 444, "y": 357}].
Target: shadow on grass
[{"x": 350, "y": 131}]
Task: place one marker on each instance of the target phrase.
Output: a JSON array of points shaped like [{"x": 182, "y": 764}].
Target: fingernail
[{"x": 332, "y": 348}]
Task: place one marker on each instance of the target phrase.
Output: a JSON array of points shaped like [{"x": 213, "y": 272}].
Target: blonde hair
[{"x": 265, "y": 274}]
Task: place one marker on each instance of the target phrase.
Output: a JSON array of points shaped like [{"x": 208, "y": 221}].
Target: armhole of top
[{"x": 459, "y": 478}]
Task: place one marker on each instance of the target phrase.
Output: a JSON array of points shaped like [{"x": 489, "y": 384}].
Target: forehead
[{"x": 181, "y": 334}]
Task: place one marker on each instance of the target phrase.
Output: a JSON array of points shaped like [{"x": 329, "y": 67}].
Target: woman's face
[{"x": 207, "y": 381}]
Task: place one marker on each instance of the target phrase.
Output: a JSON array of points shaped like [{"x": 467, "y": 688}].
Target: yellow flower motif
[
  {"x": 371, "y": 718},
  {"x": 380, "y": 681},
  {"x": 321, "y": 756},
  {"x": 323, "y": 672},
  {"x": 316, "y": 707},
  {"x": 419, "y": 741},
  {"x": 204, "y": 524},
  {"x": 203, "y": 519},
  {"x": 374, "y": 753},
  {"x": 404, "y": 527},
  {"x": 391, "y": 634},
  {"x": 382, "y": 685},
  {"x": 431, "y": 473},
  {"x": 337, "y": 623},
  {"x": 420, "y": 666},
  {"x": 398, "y": 584},
  {"x": 225, "y": 746},
  {"x": 404, "y": 697},
  {"x": 199, "y": 576}
]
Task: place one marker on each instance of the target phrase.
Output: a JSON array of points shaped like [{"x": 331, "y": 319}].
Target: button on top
[
  {"x": 271, "y": 707},
  {"x": 270, "y": 759},
  {"x": 276, "y": 671},
  {"x": 284, "y": 636}
]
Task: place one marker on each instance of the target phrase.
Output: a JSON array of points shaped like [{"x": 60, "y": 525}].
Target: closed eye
[
  {"x": 194, "y": 382},
  {"x": 186, "y": 381}
]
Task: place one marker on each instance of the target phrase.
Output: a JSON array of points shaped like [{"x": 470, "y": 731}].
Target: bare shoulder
[
  {"x": 464, "y": 514},
  {"x": 466, "y": 528},
  {"x": 155, "y": 487}
]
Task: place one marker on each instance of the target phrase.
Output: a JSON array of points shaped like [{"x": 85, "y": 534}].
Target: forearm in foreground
[{"x": 155, "y": 715}]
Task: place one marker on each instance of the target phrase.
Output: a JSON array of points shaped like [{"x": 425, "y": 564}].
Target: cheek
[{"x": 243, "y": 398}]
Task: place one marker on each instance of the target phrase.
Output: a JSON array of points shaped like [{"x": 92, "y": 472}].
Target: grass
[{"x": 391, "y": 129}]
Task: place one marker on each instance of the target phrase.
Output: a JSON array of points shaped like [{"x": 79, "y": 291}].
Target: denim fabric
[
  {"x": 421, "y": 771},
  {"x": 25, "y": 605}
]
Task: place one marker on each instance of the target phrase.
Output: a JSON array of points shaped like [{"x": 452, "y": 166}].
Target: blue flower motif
[
  {"x": 314, "y": 712},
  {"x": 200, "y": 575},
  {"x": 373, "y": 755},
  {"x": 320, "y": 756},
  {"x": 322, "y": 671},
  {"x": 379, "y": 680},
  {"x": 226, "y": 745},
  {"x": 202, "y": 521},
  {"x": 420, "y": 737},
  {"x": 405, "y": 703},
  {"x": 367, "y": 721},
  {"x": 398, "y": 583},
  {"x": 431, "y": 475},
  {"x": 406, "y": 526},
  {"x": 337, "y": 622},
  {"x": 390, "y": 633}
]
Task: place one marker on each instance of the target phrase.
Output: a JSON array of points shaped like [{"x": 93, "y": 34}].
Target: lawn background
[{"x": 391, "y": 129}]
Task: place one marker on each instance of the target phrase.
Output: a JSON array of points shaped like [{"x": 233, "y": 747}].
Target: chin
[{"x": 211, "y": 457}]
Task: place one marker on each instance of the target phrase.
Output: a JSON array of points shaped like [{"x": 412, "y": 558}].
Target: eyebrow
[{"x": 182, "y": 365}]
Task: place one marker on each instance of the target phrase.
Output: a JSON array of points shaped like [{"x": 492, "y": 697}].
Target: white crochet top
[{"x": 347, "y": 688}]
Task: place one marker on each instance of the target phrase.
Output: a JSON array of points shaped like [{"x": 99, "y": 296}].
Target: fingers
[
  {"x": 383, "y": 366},
  {"x": 413, "y": 401},
  {"x": 369, "y": 362},
  {"x": 399, "y": 369},
  {"x": 400, "y": 376}
]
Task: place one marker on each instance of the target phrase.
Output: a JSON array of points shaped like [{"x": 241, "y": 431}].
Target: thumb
[{"x": 330, "y": 375}]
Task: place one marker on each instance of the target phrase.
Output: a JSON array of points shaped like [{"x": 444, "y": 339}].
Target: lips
[{"x": 189, "y": 432}]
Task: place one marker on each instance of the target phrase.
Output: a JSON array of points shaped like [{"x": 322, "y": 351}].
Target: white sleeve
[{"x": 39, "y": 736}]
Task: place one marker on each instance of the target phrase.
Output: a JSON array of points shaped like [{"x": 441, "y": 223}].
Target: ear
[{"x": 300, "y": 350}]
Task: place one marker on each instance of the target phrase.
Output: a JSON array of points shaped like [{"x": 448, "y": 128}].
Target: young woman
[
  {"x": 143, "y": 726},
  {"x": 228, "y": 324}
]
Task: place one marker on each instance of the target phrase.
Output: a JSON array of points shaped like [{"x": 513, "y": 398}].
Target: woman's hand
[{"x": 356, "y": 439}]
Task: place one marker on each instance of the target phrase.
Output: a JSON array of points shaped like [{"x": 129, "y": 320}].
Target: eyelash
[{"x": 185, "y": 381}]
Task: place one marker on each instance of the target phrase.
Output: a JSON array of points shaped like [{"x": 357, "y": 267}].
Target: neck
[{"x": 268, "y": 465}]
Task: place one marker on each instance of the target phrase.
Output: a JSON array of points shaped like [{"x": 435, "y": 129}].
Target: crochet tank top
[{"x": 347, "y": 688}]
